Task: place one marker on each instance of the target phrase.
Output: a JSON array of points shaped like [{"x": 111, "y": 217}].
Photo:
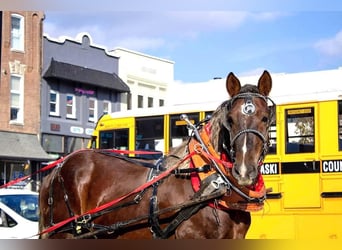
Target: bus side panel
[
  {"x": 319, "y": 226},
  {"x": 328, "y": 131},
  {"x": 270, "y": 226}
]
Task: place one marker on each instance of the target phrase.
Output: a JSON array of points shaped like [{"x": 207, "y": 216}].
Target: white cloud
[
  {"x": 331, "y": 46},
  {"x": 140, "y": 43},
  {"x": 268, "y": 16},
  {"x": 141, "y": 30}
]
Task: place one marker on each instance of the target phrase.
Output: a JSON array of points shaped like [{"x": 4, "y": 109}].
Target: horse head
[{"x": 245, "y": 121}]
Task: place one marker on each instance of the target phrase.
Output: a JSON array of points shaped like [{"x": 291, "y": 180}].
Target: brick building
[{"x": 21, "y": 59}]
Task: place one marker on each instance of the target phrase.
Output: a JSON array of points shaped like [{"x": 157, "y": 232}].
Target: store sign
[
  {"x": 76, "y": 130},
  {"x": 55, "y": 127},
  {"x": 89, "y": 131},
  {"x": 84, "y": 91}
]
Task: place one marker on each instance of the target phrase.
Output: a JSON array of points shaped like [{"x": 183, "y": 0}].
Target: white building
[{"x": 148, "y": 78}]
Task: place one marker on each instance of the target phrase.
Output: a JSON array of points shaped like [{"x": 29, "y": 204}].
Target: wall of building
[
  {"x": 146, "y": 75},
  {"x": 25, "y": 63},
  {"x": 60, "y": 134}
]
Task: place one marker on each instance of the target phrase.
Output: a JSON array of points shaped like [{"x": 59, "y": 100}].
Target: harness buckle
[
  {"x": 84, "y": 219},
  {"x": 216, "y": 183},
  {"x": 50, "y": 201},
  {"x": 198, "y": 148}
]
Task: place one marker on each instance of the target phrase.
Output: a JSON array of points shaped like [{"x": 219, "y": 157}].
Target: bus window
[
  {"x": 300, "y": 137},
  {"x": 178, "y": 128},
  {"x": 208, "y": 114},
  {"x": 150, "y": 133},
  {"x": 273, "y": 139},
  {"x": 114, "y": 139},
  {"x": 340, "y": 125}
]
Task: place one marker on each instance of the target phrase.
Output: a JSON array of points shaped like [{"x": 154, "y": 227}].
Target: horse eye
[{"x": 264, "y": 119}]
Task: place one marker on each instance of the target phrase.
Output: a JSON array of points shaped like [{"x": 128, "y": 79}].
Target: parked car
[{"x": 19, "y": 214}]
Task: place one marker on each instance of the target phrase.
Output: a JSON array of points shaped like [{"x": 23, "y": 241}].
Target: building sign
[
  {"x": 332, "y": 166},
  {"x": 269, "y": 168},
  {"x": 76, "y": 130},
  {"x": 55, "y": 127},
  {"x": 84, "y": 91},
  {"x": 17, "y": 67},
  {"x": 89, "y": 131}
]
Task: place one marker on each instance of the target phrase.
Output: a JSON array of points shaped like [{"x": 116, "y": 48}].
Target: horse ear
[
  {"x": 232, "y": 84},
  {"x": 265, "y": 83}
]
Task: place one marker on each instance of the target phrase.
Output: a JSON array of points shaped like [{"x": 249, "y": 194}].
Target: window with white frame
[
  {"x": 92, "y": 110},
  {"x": 107, "y": 107},
  {"x": 129, "y": 101},
  {"x": 17, "y": 99},
  {"x": 54, "y": 103},
  {"x": 140, "y": 101},
  {"x": 70, "y": 106},
  {"x": 17, "y": 32},
  {"x": 150, "y": 102}
]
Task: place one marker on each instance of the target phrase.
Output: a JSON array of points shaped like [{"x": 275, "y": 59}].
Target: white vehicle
[{"x": 19, "y": 214}]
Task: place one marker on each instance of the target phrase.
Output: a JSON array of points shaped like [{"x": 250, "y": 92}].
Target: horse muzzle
[{"x": 244, "y": 175}]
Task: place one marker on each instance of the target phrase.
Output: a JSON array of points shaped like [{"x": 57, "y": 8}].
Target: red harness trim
[{"x": 60, "y": 160}]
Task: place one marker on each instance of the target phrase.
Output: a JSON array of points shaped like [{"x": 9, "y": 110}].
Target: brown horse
[{"x": 160, "y": 200}]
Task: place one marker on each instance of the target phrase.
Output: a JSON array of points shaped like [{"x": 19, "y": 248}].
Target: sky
[{"x": 209, "y": 38}]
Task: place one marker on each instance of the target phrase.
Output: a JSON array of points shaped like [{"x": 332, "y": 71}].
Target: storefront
[{"x": 21, "y": 155}]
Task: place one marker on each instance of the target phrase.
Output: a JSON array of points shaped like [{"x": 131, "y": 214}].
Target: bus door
[{"x": 300, "y": 165}]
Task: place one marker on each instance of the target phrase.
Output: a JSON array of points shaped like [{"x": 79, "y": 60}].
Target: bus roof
[{"x": 175, "y": 109}]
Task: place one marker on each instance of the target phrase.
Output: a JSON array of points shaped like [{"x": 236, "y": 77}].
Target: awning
[
  {"x": 21, "y": 146},
  {"x": 85, "y": 75}
]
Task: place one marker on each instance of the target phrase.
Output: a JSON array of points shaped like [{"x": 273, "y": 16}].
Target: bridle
[{"x": 249, "y": 109}]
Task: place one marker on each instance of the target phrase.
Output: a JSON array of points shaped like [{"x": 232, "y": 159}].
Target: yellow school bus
[
  {"x": 303, "y": 166},
  {"x": 305, "y": 173}
]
